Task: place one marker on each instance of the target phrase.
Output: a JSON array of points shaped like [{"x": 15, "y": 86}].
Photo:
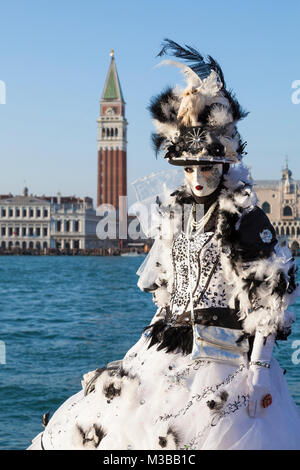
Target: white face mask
[{"x": 203, "y": 179}]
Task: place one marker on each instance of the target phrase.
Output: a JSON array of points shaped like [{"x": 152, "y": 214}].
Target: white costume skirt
[{"x": 161, "y": 401}]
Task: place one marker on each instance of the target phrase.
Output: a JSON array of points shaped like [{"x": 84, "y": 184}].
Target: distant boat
[{"x": 132, "y": 253}]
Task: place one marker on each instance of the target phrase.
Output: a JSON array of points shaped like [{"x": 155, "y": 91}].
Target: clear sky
[{"x": 54, "y": 56}]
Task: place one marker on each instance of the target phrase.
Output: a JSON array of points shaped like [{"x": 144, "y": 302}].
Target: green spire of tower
[{"x": 112, "y": 88}]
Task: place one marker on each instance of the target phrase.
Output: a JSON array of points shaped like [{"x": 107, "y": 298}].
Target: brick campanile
[{"x": 112, "y": 143}]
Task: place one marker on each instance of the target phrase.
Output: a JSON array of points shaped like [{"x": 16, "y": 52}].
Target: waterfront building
[
  {"x": 280, "y": 200},
  {"x": 24, "y": 222},
  {"x": 44, "y": 222},
  {"x": 112, "y": 141}
]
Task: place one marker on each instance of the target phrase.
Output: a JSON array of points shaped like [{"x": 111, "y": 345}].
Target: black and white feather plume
[{"x": 203, "y": 107}]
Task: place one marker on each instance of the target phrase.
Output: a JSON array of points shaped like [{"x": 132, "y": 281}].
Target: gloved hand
[
  {"x": 259, "y": 383},
  {"x": 259, "y": 388}
]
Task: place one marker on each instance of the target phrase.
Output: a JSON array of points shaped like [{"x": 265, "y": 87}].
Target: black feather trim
[
  {"x": 157, "y": 140},
  {"x": 217, "y": 68},
  {"x": 170, "y": 338},
  {"x": 236, "y": 109},
  {"x": 99, "y": 431},
  {"x": 196, "y": 60},
  {"x": 241, "y": 147},
  {"x": 111, "y": 391},
  {"x": 171, "y": 432},
  {"x": 156, "y": 107}
]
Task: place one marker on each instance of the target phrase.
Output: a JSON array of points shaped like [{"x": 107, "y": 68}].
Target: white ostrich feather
[
  {"x": 220, "y": 117},
  {"x": 170, "y": 131},
  {"x": 192, "y": 79}
]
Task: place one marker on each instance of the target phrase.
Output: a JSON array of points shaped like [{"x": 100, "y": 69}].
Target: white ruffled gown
[{"x": 155, "y": 400}]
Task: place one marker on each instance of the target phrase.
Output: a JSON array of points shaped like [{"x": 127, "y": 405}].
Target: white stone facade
[
  {"x": 280, "y": 199},
  {"x": 40, "y": 223}
]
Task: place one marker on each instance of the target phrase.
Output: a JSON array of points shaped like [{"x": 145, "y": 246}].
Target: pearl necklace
[{"x": 194, "y": 227}]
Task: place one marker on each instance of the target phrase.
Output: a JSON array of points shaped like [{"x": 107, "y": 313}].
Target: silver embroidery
[{"x": 203, "y": 255}]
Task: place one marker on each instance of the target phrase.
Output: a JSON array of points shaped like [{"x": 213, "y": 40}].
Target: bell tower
[{"x": 112, "y": 143}]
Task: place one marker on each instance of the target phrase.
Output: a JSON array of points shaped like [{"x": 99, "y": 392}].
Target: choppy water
[{"x": 64, "y": 316}]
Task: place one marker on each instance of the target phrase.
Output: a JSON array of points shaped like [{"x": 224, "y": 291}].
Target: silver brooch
[
  {"x": 194, "y": 138},
  {"x": 266, "y": 236}
]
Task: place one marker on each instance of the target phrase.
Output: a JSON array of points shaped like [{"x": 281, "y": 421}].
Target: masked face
[{"x": 203, "y": 179}]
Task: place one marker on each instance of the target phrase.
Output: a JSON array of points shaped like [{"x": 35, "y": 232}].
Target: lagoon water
[{"x": 64, "y": 316}]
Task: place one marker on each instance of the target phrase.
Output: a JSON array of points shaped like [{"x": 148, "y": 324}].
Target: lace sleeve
[{"x": 156, "y": 272}]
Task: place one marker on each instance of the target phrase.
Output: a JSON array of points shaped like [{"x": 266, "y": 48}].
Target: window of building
[
  {"x": 24, "y": 213},
  {"x": 45, "y": 213},
  {"x": 17, "y": 212},
  {"x": 287, "y": 211},
  {"x": 24, "y": 232},
  {"x": 45, "y": 245},
  {"x": 76, "y": 244},
  {"x": 3, "y": 212},
  {"x": 45, "y": 231},
  {"x": 3, "y": 231},
  {"x": 10, "y": 212},
  {"x": 38, "y": 231},
  {"x": 67, "y": 226},
  {"x": 17, "y": 231},
  {"x": 38, "y": 212},
  {"x": 58, "y": 225},
  {"x": 30, "y": 212},
  {"x": 266, "y": 208},
  {"x": 3, "y": 245},
  {"x": 116, "y": 132},
  {"x": 10, "y": 231},
  {"x": 76, "y": 226},
  {"x": 30, "y": 244},
  {"x": 30, "y": 231}
]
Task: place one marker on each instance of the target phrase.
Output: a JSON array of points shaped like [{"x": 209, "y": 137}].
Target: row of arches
[
  {"x": 110, "y": 132},
  {"x": 287, "y": 210},
  {"x": 24, "y": 245},
  {"x": 288, "y": 230}
]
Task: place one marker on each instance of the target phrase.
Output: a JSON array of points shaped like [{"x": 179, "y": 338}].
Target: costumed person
[{"x": 202, "y": 375}]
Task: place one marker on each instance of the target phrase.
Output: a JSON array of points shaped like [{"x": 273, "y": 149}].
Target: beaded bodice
[{"x": 205, "y": 274}]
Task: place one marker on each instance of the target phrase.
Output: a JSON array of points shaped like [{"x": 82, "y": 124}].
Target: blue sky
[{"x": 54, "y": 56}]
